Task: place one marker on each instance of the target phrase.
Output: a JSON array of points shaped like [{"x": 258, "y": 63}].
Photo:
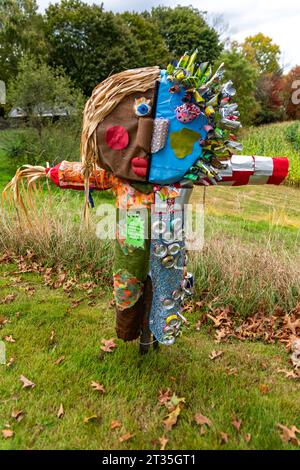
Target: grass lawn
[
  {"x": 233, "y": 385},
  {"x": 243, "y": 382}
]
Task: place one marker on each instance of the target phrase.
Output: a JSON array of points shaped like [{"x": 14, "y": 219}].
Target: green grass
[
  {"x": 131, "y": 382},
  {"x": 245, "y": 220}
]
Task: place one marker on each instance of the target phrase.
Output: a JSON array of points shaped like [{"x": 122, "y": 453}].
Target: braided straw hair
[{"x": 105, "y": 97}]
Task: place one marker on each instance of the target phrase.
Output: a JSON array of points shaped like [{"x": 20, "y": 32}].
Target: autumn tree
[
  {"x": 292, "y": 93},
  {"x": 262, "y": 52}
]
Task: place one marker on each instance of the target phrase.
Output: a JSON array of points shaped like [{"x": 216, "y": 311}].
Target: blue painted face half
[{"x": 178, "y": 129}]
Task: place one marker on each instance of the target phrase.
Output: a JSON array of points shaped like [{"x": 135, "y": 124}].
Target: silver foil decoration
[{"x": 160, "y": 134}]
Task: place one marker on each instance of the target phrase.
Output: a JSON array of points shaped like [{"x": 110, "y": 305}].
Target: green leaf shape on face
[{"x": 182, "y": 142}]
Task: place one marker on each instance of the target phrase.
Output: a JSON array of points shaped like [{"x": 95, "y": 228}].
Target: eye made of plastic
[{"x": 142, "y": 107}]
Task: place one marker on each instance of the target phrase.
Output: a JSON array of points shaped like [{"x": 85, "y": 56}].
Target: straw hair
[
  {"x": 30, "y": 174},
  {"x": 105, "y": 97}
]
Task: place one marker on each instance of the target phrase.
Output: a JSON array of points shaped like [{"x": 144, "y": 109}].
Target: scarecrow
[{"x": 150, "y": 135}]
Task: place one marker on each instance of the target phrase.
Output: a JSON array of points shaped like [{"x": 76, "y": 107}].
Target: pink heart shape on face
[
  {"x": 117, "y": 137},
  {"x": 139, "y": 166}
]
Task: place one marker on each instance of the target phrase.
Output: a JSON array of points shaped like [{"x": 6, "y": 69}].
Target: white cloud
[{"x": 279, "y": 19}]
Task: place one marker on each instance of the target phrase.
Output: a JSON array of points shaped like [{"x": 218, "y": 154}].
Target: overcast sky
[{"x": 279, "y": 19}]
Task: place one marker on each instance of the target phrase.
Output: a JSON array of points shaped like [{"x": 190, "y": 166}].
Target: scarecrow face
[
  {"x": 124, "y": 137},
  {"x": 151, "y": 136}
]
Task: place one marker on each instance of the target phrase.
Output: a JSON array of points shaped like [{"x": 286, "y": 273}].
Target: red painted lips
[{"x": 139, "y": 166}]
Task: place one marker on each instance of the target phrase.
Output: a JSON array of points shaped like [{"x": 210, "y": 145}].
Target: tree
[
  {"x": 21, "y": 32},
  {"x": 184, "y": 29},
  {"x": 269, "y": 93},
  {"x": 262, "y": 52},
  {"x": 89, "y": 43},
  {"x": 244, "y": 76},
  {"x": 38, "y": 87},
  {"x": 145, "y": 30},
  {"x": 292, "y": 93}
]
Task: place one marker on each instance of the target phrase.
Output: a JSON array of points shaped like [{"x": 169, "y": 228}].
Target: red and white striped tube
[{"x": 249, "y": 169}]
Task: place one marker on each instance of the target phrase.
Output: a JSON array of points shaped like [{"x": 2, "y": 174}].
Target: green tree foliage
[
  {"x": 89, "y": 43},
  {"x": 21, "y": 32},
  {"x": 37, "y": 87},
  {"x": 184, "y": 28},
  {"x": 244, "y": 76},
  {"x": 262, "y": 52},
  {"x": 145, "y": 29}
]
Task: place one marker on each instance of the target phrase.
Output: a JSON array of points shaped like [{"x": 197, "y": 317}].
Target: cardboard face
[{"x": 124, "y": 137}]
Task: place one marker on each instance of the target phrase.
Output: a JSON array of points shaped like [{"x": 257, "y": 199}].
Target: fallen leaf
[
  {"x": 224, "y": 437},
  {"x": 248, "y": 437},
  {"x": 26, "y": 382},
  {"x": 201, "y": 420},
  {"x": 289, "y": 434},
  {"x": 9, "y": 339},
  {"x": 264, "y": 389},
  {"x": 8, "y": 299},
  {"x": 52, "y": 336},
  {"x": 61, "y": 412},
  {"x": 163, "y": 442},
  {"x": 171, "y": 418},
  {"x": 18, "y": 415},
  {"x": 10, "y": 362},
  {"x": 236, "y": 423},
  {"x": 115, "y": 424},
  {"x": 7, "y": 433},
  {"x": 108, "y": 345},
  {"x": 86, "y": 420},
  {"x": 214, "y": 354},
  {"x": 59, "y": 360},
  {"x": 289, "y": 374},
  {"x": 126, "y": 437},
  {"x": 98, "y": 387},
  {"x": 164, "y": 396}
]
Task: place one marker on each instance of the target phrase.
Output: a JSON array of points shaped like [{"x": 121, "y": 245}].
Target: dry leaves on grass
[
  {"x": 11, "y": 362},
  {"x": 108, "y": 345},
  {"x": 88, "y": 419},
  {"x": 289, "y": 374},
  {"x": 163, "y": 441},
  {"x": 97, "y": 387},
  {"x": 264, "y": 389},
  {"x": 289, "y": 434},
  {"x": 17, "y": 415},
  {"x": 224, "y": 437},
  {"x": 61, "y": 411},
  {"x": 9, "y": 339},
  {"x": 59, "y": 360},
  {"x": 236, "y": 423},
  {"x": 202, "y": 421},
  {"x": 26, "y": 382},
  {"x": 115, "y": 424},
  {"x": 126, "y": 437},
  {"x": 174, "y": 406},
  {"x": 215, "y": 354},
  {"x": 164, "y": 396},
  {"x": 8, "y": 299},
  {"x": 7, "y": 433}
]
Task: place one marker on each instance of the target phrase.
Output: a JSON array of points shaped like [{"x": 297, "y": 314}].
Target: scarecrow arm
[
  {"x": 242, "y": 170},
  {"x": 69, "y": 175}
]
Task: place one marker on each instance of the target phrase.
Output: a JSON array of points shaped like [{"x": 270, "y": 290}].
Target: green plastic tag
[{"x": 135, "y": 227}]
